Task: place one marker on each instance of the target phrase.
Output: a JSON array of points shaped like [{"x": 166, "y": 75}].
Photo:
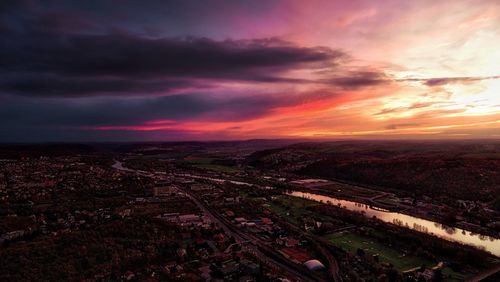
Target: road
[
  {"x": 257, "y": 246},
  {"x": 320, "y": 243}
]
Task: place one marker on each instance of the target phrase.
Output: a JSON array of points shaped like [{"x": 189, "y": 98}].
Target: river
[
  {"x": 486, "y": 243},
  {"x": 119, "y": 165}
]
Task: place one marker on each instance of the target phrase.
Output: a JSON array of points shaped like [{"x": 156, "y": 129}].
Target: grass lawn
[
  {"x": 350, "y": 190},
  {"x": 452, "y": 276},
  {"x": 294, "y": 206},
  {"x": 206, "y": 163},
  {"x": 350, "y": 242}
]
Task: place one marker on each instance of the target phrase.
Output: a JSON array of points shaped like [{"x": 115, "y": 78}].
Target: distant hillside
[
  {"x": 461, "y": 170},
  {"x": 37, "y": 150},
  {"x": 183, "y": 148}
]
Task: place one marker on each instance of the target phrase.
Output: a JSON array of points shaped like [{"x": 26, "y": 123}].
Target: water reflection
[
  {"x": 119, "y": 165},
  {"x": 487, "y": 243}
]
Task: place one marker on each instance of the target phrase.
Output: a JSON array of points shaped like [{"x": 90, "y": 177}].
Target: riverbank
[
  {"x": 489, "y": 244},
  {"x": 403, "y": 209}
]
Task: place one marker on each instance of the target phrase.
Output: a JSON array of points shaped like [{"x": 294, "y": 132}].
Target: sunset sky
[{"x": 223, "y": 70}]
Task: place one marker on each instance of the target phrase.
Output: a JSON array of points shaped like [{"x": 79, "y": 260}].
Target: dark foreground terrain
[{"x": 229, "y": 211}]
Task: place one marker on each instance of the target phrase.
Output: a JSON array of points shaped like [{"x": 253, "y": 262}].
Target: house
[
  {"x": 186, "y": 218},
  {"x": 162, "y": 191},
  {"x": 129, "y": 275},
  {"x": 225, "y": 269},
  {"x": 219, "y": 238},
  {"x": 266, "y": 221},
  {"x": 205, "y": 272},
  {"x": 291, "y": 242},
  {"x": 296, "y": 255},
  {"x": 240, "y": 220},
  {"x": 181, "y": 252},
  {"x": 232, "y": 199},
  {"x": 427, "y": 274}
]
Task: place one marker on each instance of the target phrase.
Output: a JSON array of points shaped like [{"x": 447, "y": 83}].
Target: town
[{"x": 181, "y": 214}]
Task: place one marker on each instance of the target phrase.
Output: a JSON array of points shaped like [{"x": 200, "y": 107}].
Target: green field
[
  {"x": 218, "y": 168},
  {"x": 206, "y": 163},
  {"x": 291, "y": 208},
  {"x": 452, "y": 276},
  {"x": 350, "y": 242}
]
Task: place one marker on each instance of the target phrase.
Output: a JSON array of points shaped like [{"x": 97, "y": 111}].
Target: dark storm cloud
[
  {"x": 54, "y": 49},
  {"x": 70, "y": 119},
  {"x": 104, "y": 60},
  {"x": 73, "y": 113},
  {"x": 49, "y": 60},
  {"x": 66, "y": 86},
  {"x": 452, "y": 80},
  {"x": 129, "y": 55},
  {"x": 118, "y": 111},
  {"x": 92, "y": 48},
  {"x": 153, "y": 17},
  {"x": 61, "y": 61},
  {"x": 359, "y": 79}
]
